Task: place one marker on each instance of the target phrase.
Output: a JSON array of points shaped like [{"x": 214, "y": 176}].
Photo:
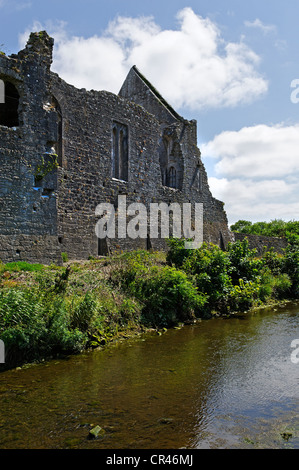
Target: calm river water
[{"x": 223, "y": 383}]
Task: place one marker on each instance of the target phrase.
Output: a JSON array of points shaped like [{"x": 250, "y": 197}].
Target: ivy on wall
[{"x": 46, "y": 167}]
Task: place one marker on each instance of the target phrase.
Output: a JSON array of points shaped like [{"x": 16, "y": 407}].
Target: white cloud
[
  {"x": 257, "y": 151},
  {"x": 257, "y": 172},
  {"x": 15, "y": 5},
  {"x": 256, "y": 200},
  {"x": 258, "y": 24},
  {"x": 192, "y": 66}
]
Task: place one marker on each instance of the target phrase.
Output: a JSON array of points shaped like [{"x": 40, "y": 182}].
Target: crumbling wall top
[{"x": 39, "y": 44}]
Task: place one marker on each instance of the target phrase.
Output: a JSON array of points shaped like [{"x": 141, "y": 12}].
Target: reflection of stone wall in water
[{"x": 63, "y": 151}]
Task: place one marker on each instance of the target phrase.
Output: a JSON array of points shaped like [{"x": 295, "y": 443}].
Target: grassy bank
[{"x": 47, "y": 311}]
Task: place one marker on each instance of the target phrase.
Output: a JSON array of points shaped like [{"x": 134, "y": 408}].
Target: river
[{"x": 222, "y": 383}]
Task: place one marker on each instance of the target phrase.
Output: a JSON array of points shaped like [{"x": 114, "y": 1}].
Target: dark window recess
[
  {"x": 172, "y": 177},
  {"x": 38, "y": 182},
  {"x": 103, "y": 249},
  {"x": 148, "y": 243},
  {"x": 60, "y": 240},
  {"x": 197, "y": 178},
  {"x": 120, "y": 152},
  {"x": 58, "y": 146},
  {"x": 9, "y": 115},
  {"x": 47, "y": 192}
]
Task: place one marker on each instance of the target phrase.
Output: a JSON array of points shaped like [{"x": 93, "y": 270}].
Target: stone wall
[
  {"x": 58, "y": 162},
  {"x": 28, "y": 218},
  {"x": 262, "y": 243}
]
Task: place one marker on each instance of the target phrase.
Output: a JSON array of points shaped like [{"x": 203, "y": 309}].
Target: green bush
[
  {"x": 169, "y": 297},
  {"x": 177, "y": 252},
  {"x": 243, "y": 262},
  {"x": 275, "y": 228},
  {"x": 242, "y": 297},
  {"x": 33, "y": 325},
  {"x": 84, "y": 313},
  {"x": 209, "y": 265},
  {"x": 22, "y": 327},
  {"x": 62, "y": 338},
  {"x": 282, "y": 286},
  {"x": 290, "y": 266},
  {"x": 273, "y": 261}
]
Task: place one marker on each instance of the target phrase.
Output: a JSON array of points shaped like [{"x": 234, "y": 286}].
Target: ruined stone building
[{"x": 65, "y": 150}]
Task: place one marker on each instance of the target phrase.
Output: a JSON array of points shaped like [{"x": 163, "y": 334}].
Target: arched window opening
[
  {"x": 9, "y": 115},
  {"x": 171, "y": 160},
  {"x": 120, "y": 152},
  {"x": 172, "y": 177},
  {"x": 58, "y": 146}
]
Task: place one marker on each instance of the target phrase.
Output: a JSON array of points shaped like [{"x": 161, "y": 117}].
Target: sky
[{"x": 233, "y": 66}]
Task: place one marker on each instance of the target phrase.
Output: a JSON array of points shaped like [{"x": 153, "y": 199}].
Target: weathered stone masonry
[{"x": 64, "y": 150}]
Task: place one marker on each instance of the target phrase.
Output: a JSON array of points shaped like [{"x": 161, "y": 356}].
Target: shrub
[
  {"x": 290, "y": 266},
  {"x": 84, "y": 313},
  {"x": 282, "y": 286},
  {"x": 177, "y": 252},
  {"x": 243, "y": 262},
  {"x": 61, "y": 337},
  {"x": 273, "y": 261},
  {"x": 167, "y": 294},
  {"x": 22, "y": 327},
  {"x": 169, "y": 297},
  {"x": 34, "y": 325},
  {"x": 209, "y": 265},
  {"x": 241, "y": 297}
]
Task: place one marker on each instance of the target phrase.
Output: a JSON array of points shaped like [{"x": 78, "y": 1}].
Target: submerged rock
[
  {"x": 95, "y": 432},
  {"x": 286, "y": 435}
]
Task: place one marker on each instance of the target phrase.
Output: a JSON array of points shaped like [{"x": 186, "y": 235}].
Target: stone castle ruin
[{"x": 65, "y": 150}]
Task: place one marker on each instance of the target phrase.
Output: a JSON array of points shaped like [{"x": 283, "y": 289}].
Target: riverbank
[
  {"x": 49, "y": 311},
  {"x": 224, "y": 383}
]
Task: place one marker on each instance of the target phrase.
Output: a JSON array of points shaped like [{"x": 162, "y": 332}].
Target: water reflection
[{"x": 217, "y": 384}]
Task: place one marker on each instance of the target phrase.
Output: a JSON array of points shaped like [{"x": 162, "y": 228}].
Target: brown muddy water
[{"x": 223, "y": 383}]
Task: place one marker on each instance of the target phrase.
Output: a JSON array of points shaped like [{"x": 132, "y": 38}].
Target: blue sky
[{"x": 227, "y": 64}]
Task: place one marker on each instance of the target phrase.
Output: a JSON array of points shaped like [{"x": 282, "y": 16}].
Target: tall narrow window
[
  {"x": 9, "y": 116},
  {"x": 172, "y": 177},
  {"x": 58, "y": 144},
  {"x": 120, "y": 151}
]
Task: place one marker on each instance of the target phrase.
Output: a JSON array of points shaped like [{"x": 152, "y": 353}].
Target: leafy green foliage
[
  {"x": 45, "y": 311},
  {"x": 236, "y": 279},
  {"x": 168, "y": 296},
  {"x": 46, "y": 166},
  {"x": 275, "y": 228},
  {"x": 241, "y": 297},
  {"x": 243, "y": 262},
  {"x": 209, "y": 266},
  {"x": 290, "y": 266},
  {"x": 177, "y": 252},
  {"x": 64, "y": 257}
]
